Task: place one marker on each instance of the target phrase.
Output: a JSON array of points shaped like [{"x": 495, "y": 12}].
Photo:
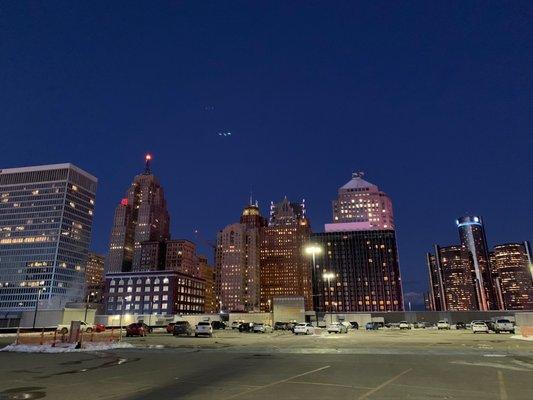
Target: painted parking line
[
  {"x": 503, "y": 390},
  {"x": 276, "y": 383},
  {"x": 387, "y": 382},
  {"x": 327, "y": 384}
]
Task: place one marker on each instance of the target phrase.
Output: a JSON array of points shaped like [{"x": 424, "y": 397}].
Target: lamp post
[
  {"x": 313, "y": 250},
  {"x": 37, "y": 305},
  {"x": 328, "y": 276},
  {"x": 122, "y": 313},
  {"x": 87, "y": 306}
]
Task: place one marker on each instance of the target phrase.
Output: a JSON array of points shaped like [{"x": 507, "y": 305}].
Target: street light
[
  {"x": 328, "y": 276},
  {"x": 313, "y": 250},
  {"x": 128, "y": 298},
  {"x": 37, "y": 305},
  {"x": 87, "y": 305}
]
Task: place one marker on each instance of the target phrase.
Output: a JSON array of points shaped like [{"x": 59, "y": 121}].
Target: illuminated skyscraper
[
  {"x": 237, "y": 262},
  {"x": 140, "y": 217},
  {"x": 94, "y": 278},
  {"x": 208, "y": 274},
  {"x": 512, "y": 264},
  {"x": 46, "y": 216},
  {"x": 474, "y": 244},
  {"x": 285, "y": 269},
  {"x": 361, "y": 206}
]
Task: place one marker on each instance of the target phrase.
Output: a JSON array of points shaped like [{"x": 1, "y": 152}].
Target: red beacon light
[
  {"x": 124, "y": 202},
  {"x": 148, "y": 157}
]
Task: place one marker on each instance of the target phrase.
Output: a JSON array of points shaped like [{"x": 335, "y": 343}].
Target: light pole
[
  {"x": 87, "y": 306},
  {"x": 313, "y": 250},
  {"x": 122, "y": 313},
  {"x": 37, "y": 305},
  {"x": 328, "y": 276}
]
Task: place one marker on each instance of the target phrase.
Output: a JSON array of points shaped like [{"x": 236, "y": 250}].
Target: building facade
[
  {"x": 238, "y": 262},
  {"x": 94, "y": 278},
  {"x": 154, "y": 292},
  {"x": 141, "y": 216},
  {"x": 474, "y": 244},
  {"x": 285, "y": 269},
  {"x": 208, "y": 275},
  {"x": 46, "y": 216},
  {"x": 512, "y": 263}
]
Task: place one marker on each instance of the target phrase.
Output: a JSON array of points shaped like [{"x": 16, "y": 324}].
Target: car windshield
[
  {"x": 203, "y": 323},
  {"x": 504, "y": 321},
  {"x": 181, "y": 323}
]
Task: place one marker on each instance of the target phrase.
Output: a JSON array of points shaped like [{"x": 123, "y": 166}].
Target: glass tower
[{"x": 46, "y": 215}]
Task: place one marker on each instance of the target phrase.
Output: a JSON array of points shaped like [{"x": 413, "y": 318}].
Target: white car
[
  {"x": 305, "y": 328},
  {"x": 203, "y": 328},
  {"x": 443, "y": 324},
  {"x": 236, "y": 324},
  {"x": 404, "y": 325},
  {"x": 479, "y": 326},
  {"x": 262, "y": 328},
  {"x": 337, "y": 327},
  {"x": 503, "y": 325},
  {"x": 64, "y": 328}
]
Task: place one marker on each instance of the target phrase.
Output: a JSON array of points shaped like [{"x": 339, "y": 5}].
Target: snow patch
[
  {"x": 65, "y": 348},
  {"x": 520, "y": 337}
]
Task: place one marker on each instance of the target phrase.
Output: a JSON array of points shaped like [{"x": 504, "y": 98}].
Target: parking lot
[{"x": 384, "y": 364}]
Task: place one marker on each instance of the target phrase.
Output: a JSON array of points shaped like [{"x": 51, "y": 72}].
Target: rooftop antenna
[
  {"x": 358, "y": 174},
  {"x": 147, "y": 159}
]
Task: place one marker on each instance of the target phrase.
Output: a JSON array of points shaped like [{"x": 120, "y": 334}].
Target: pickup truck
[
  {"x": 503, "y": 325},
  {"x": 64, "y": 328}
]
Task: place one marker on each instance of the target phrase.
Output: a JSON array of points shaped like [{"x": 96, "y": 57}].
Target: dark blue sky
[{"x": 432, "y": 99}]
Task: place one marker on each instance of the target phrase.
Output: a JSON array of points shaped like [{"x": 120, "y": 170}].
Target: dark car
[
  {"x": 460, "y": 325},
  {"x": 182, "y": 328},
  {"x": 372, "y": 326},
  {"x": 354, "y": 325},
  {"x": 170, "y": 327},
  {"x": 138, "y": 329},
  {"x": 491, "y": 324},
  {"x": 218, "y": 325},
  {"x": 246, "y": 327},
  {"x": 280, "y": 326}
]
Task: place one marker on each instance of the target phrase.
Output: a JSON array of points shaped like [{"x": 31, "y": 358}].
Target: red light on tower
[{"x": 124, "y": 202}]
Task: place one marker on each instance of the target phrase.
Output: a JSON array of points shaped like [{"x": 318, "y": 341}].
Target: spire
[
  {"x": 147, "y": 159},
  {"x": 358, "y": 174}
]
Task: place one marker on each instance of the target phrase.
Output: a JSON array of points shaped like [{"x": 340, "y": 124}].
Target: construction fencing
[{"x": 55, "y": 338}]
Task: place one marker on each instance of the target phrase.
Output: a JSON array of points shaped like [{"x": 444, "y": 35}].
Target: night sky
[{"x": 432, "y": 99}]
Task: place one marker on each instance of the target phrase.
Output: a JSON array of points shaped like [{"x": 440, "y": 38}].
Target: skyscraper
[
  {"x": 208, "y": 274},
  {"x": 237, "y": 262},
  {"x": 512, "y": 264},
  {"x": 450, "y": 279},
  {"x": 141, "y": 216},
  {"x": 361, "y": 206},
  {"x": 46, "y": 216},
  {"x": 285, "y": 270},
  {"x": 94, "y": 278},
  {"x": 357, "y": 268},
  {"x": 474, "y": 244}
]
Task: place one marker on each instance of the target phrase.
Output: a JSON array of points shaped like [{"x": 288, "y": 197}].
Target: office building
[
  {"x": 512, "y": 264},
  {"x": 46, "y": 216},
  {"x": 208, "y": 275},
  {"x": 141, "y": 216},
  {"x": 94, "y": 278},
  {"x": 474, "y": 244},
  {"x": 285, "y": 269},
  {"x": 238, "y": 262}
]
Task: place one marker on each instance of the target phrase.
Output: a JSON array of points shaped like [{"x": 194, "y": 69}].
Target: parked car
[
  {"x": 236, "y": 324},
  {"x": 217, "y": 325},
  {"x": 404, "y": 325},
  {"x": 262, "y": 328},
  {"x": 182, "y": 328},
  {"x": 479, "y": 326},
  {"x": 491, "y": 325},
  {"x": 280, "y": 326},
  {"x": 304, "y": 327},
  {"x": 460, "y": 325},
  {"x": 138, "y": 329},
  {"x": 99, "y": 328},
  {"x": 291, "y": 325},
  {"x": 170, "y": 327},
  {"x": 337, "y": 327},
  {"x": 84, "y": 327},
  {"x": 203, "y": 328},
  {"x": 372, "y": 326},
  {"x": 420, "y": 325},
  {"x": 246, "y": 327},
  {"x": 354, "y": 325},
  {"x": 443, "y": 324},
  {"x": 503, "y": 325}
]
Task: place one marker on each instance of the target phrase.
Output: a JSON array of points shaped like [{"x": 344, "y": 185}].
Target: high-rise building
[
  {"x": 361, "y": 206},
  {"x": 208, "y": 274},
  {"x": 140, "y": 217},
  {"x": 357, "y": 271},
  {"x": 46, "y": 216},
  {"x": 474, "y": 244},
  {"x": 181, "y": 256},
  {"x": 450, "y": 279},
  {"x": 285, "y": 269},
  {"x": 512, "y": 264},
  {"x": 237, "y": 262},
  {"x": 357, "y": 267},
  {"x": 94, "y": 278}
]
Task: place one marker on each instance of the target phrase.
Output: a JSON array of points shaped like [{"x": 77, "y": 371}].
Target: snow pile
[
  {"x": 66, "y": 348},
  {"x": 520, "y": 337}
]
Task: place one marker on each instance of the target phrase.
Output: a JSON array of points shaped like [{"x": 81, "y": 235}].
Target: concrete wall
[
  {"x": 52, "y": 318},
  {"x": 263, "y": 317},
  {"x": 286, "y": 309},
  {"x": 524, "y": 319},
  {"x": 360, "y": 318},
  {"x": 153, "y": 319}
]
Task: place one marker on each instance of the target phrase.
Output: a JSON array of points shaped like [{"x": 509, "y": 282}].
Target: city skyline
[{"x": 431, "y": 100}]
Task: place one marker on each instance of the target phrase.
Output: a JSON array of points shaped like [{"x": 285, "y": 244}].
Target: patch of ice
[{"x": 65, "y": 348}]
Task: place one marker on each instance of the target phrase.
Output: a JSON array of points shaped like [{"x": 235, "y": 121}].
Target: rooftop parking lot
[{"x": 383, "y": 364}]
